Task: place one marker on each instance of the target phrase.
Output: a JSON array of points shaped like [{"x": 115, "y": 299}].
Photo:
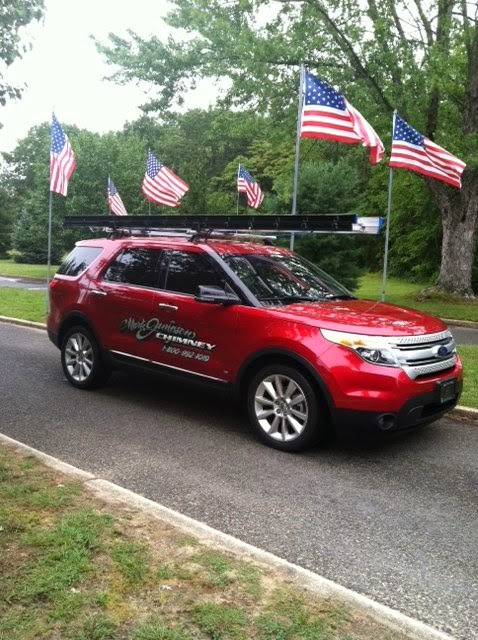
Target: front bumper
[{"x": 417, "y": 411}]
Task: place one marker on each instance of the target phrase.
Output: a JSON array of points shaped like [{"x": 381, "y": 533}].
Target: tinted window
[
  {"x": 285, "y": 278},
  {"x": 78, "y": 260},
  {"x": 186, "y": 271},
  {"x": 135, "y": 266}
]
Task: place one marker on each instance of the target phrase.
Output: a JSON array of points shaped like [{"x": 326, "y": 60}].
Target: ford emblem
[{"x": 442, "y": 351}]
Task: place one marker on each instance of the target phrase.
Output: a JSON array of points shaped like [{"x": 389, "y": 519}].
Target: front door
[{"x": 194, "y": 336}]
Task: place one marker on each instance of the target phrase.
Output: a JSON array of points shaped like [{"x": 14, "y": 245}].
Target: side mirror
[{"x": 215, "y": 295}]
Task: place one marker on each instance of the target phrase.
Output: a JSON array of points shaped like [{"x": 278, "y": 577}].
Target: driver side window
[{"x": 187, "y": 270}]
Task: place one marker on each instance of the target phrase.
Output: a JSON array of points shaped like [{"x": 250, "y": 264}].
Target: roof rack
[{"x": 214, "y": 226}]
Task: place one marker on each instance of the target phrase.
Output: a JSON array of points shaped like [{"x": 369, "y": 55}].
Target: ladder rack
[{"x": 213, "y": 226}]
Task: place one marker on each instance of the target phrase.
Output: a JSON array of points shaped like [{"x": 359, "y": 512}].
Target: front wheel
[
  {"x": 81, "y": 359},
  {"x": 284, "y": 408}
]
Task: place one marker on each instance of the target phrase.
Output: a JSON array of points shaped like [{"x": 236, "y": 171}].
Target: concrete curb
[
  {"x": 461, "y": 323},
  {"x": 304, "y": 578},
  {"x": 23, "y": 323}
]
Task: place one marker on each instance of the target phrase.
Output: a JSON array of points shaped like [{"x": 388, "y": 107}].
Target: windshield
[{"x": 285, "y": 278}]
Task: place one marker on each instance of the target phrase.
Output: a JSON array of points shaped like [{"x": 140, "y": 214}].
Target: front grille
[{"x": 426, "y": 354}]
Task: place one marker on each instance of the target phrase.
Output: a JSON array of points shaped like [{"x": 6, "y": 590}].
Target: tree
[
  {"x": 14, "y": 15},
  {"x": 421, "y": 58}
]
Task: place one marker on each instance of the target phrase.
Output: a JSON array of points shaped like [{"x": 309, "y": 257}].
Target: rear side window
[
  {"x": 135, "y": 266},
  {"x": 78, "y": 260}
]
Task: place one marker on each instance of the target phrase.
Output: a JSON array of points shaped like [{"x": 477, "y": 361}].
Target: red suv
[{"x": 295, "y": 346}]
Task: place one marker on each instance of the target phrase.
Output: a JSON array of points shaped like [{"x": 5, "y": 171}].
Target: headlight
[{"x": 372, "y": 349}]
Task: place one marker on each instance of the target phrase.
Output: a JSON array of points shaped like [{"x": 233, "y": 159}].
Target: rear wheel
[
  {"x": 284, "y": 408},
  {"x": 81, "y": 359}
]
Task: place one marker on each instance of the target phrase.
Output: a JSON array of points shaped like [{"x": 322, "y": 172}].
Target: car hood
[{"x": 362, "y": 316}]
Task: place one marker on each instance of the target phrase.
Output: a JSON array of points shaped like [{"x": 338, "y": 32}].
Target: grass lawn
[
  {"x": 405, "y": 294},
  {"x": 469, "y": 358},
  {"x": 14, "y": 270},
  {"x": 24, "y": 304},
  {"x": 75, "y": 568}
]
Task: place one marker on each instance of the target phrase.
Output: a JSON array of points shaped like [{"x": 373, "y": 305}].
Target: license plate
[{"x": 447, "y": 390}]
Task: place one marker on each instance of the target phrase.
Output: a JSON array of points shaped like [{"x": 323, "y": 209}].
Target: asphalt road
[
  {"x": 23, "y": 283},
  {"x": 397, "y": 521}
]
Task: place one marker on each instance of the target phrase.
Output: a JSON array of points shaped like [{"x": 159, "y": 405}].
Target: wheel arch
[
  {"x": 76, "y": 318},
  {"x": 264, "y": 358}
]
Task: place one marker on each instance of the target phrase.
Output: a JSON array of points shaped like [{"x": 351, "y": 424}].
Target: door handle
[
  {"x": 167, "y": 307},
  {"x": 98, "y": 292}
]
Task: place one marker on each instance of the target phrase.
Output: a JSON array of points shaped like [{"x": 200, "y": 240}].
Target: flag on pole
[
  {"x": 326, "y": 114},
  {"x": 62, "y": 159},
  {"x": 246, "y": 184},
  {"x": 411, "y": 150},
  {"x": 161, "y": 185},
  {"x": 114, "y": 200}
]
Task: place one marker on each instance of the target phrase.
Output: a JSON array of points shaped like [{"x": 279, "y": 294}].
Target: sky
[{"x": 64, "y": 73}]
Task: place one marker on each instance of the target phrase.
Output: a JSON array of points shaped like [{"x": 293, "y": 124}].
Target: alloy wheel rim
[
  {"x": 79, "y": 357},
  {"x": 281, "y": 408}
]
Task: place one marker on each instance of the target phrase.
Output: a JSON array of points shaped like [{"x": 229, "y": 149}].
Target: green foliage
[
  {"x": 6, "y": 223},
  {"x": 14, "y": 15},
  {"x": 415, "y": 231},
  {"x": 382, "y": 55},
  {"x": 30, "y": 239},
  {"x": 338, "y": 255}
]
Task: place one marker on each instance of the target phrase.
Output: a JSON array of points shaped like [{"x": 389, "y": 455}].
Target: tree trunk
[{"x": 459, "y": 213}]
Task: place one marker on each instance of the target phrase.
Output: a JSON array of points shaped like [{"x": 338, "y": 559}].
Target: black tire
[
  {"x": 284, "y": 409},
  {"x": 81, "y": 359}
]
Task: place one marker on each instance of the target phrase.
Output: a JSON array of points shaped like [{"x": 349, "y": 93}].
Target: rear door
[{"x": 121, "y": 301}]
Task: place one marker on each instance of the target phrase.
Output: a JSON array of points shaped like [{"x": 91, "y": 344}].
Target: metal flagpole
[
  {"x": 237, "y": 198},
  {"x": 297, "y": 147},
  {"x": 387, "y": 230},
  {"x": 48, "y": 263},
  {"x": 108, "y": 194}
]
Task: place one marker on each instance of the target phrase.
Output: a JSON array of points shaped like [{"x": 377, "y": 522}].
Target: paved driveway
[
  {"x": 397, "y": 521},
  {"x": 23, "y": 283}
]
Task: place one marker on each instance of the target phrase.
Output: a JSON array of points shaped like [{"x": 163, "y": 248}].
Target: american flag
[
  {"x": 114, "y": 200},
  {"x": 411, "y": 150},
  {"x": 161, "y": 185},
  {"x": 62, "y": 159},
  {"x": 327, "y": 114},
  {"x": 246, "y": 184}
]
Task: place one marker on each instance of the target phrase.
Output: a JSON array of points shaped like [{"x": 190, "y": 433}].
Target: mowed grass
[
  {"x": 17, "y": 270},
  {"x": 469, "y": 358},
  {"x": 23, "y": 304},
  {"x": 75, "y": 568},
  {"x": 406, "y": 294}
]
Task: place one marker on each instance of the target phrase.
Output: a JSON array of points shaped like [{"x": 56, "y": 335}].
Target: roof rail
[{"x": 206, "y": 224}]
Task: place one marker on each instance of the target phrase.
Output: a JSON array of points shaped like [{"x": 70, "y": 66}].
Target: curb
[
  {"x": 23, "y": 323},
  {"x": 304, "y": 578},
  {"x": 467, "y": 413},
  {"x": 461, "y": 323}
]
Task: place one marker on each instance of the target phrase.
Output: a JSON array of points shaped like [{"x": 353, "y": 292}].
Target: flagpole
[
  {"x": 387, "y": 230},
  {"x": 48, "y": 263},
  {"x": 297, "y": 148},
  {"x": 237, "y": 198}
]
